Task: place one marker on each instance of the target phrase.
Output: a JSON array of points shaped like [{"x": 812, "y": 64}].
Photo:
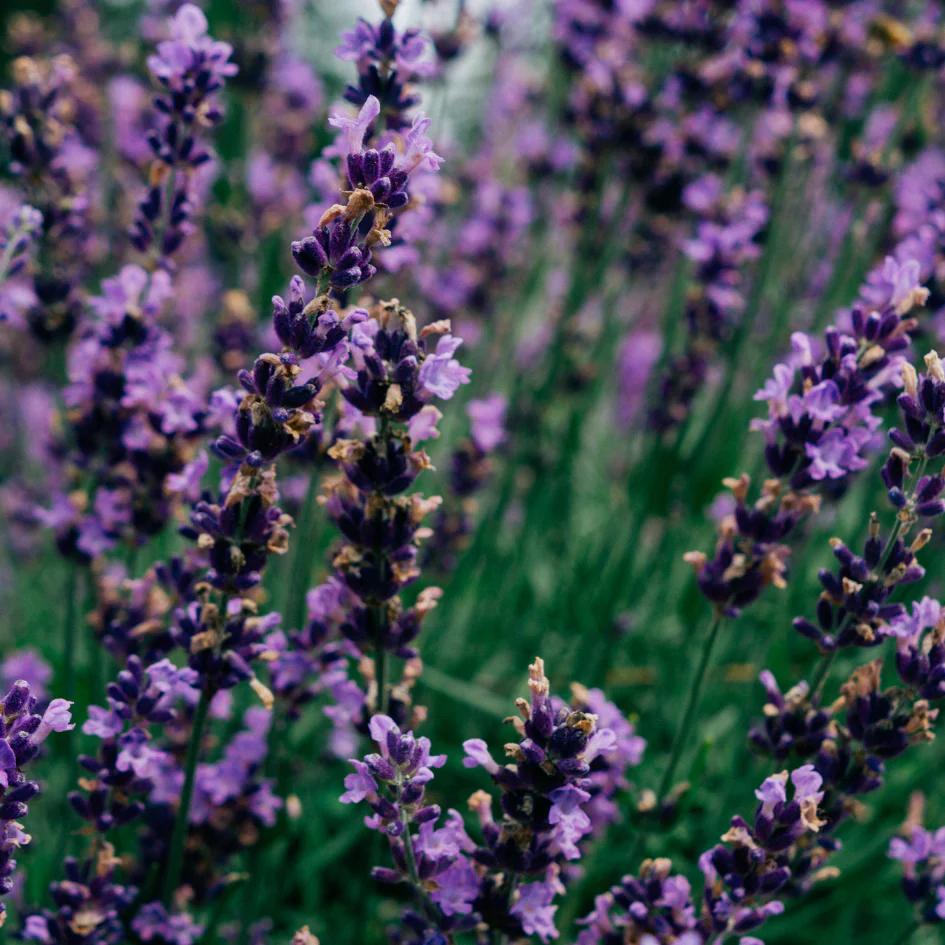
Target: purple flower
[
  {"x": 441, "y": 375},
  {"x": 922, "y": 854},
  {"x": 56, "y": 718},
  {"x": 423, "y": 426},
  {"x": 192, "y": 68},
  {"x": 418, "y": 148},
  {"x": 457, "y": 888},
  {"x": 534, "y": 907},
  {"x": 354, "y": 129},
  {"x": 190, "y": 49},
  {"x": 360, "y": 785},
  {"x": 835, "y": 455},
  {"x": 568, "y": 818},
  {"x": 478, "y": 755}
]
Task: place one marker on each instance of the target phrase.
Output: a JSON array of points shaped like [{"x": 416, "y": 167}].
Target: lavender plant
[{"x": 322, "y": 414}]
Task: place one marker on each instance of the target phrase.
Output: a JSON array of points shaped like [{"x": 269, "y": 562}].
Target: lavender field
[{"x": 472, "y": 472}]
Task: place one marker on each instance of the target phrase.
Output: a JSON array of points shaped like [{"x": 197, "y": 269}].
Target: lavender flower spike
[
  {"x": 22, "y": 732},
  {"x": 192, "y": 67}
]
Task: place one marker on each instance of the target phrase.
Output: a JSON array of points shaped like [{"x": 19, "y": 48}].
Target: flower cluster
[
  {"x": 133, "y": 422},
  {"x": 129, "y": 762},
  {"x": 232, "y": 804},
  {"x": 393, "y": 782},
  {"x": 316, "y": 659},
  {"x": 742, "y": 875},
  {"x": 388, "y": 61},
  {"x": 820, "y": 423},
  {"x": 87, "y": 898},
  {"x": 557, "y": 792},
  {"x": 545, "y": 792},
  {"x": 855, "y": 609},
  {"x": 338, "y": 254}
]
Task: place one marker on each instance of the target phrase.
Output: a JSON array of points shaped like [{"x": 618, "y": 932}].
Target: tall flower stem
[
  {"x": 820, "y": 676},
  {"x": 684, "y": 731},
  {"x": 692, "y": 705},
  {"x": 175, "y": 858},
  {"x": 72, "y": 591}
]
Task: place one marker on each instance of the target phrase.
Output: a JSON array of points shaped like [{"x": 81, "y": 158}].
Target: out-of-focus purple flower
[
  {"x": 28, "y": 665},
  {"x": 636, "y": 357},
  {"x": 726, "y": 239},
  {"x": 487, "y": 421},
  {"x": 40, "y": 118},
  {"x": 154, "y": 923},
  {"x": 192, "y": 67}
]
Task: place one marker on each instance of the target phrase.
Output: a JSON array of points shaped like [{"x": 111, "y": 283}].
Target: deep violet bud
[{"x": 312, "y": 328}]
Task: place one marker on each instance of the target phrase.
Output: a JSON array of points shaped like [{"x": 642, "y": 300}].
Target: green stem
[
  {"x": 73, "y": 583},
  {"x": 175, "y": 858},
  {"x": 820, "y": 677},
  {"x": 684, "y": 730},
  {"x": 408, "y": 852},
  {"x": 692, "y": 704}
]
